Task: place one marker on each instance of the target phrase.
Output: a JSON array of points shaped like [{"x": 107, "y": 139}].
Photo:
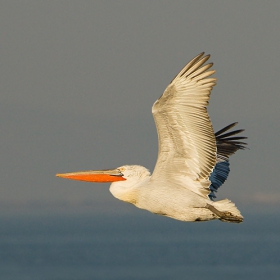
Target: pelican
[{"x": 193, "y": 161}]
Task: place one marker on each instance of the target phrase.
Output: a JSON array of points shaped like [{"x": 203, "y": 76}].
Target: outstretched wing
[
  {"x": 226, "y": 146},
  {"x": 187, "y": 144}
]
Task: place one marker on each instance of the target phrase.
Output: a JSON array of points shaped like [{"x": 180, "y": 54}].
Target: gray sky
[{"x": 78, "y": 80}]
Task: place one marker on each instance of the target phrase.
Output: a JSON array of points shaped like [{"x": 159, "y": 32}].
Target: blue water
[{"x": 145, "y": 246}]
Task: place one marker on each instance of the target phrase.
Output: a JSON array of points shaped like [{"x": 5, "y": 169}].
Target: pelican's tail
[{"x": 228, "y": 211}]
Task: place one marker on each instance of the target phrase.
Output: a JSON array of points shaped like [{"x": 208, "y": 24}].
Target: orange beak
[{"x": 97, "y": 176}]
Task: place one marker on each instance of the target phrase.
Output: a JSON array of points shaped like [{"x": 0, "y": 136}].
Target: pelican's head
[
  {"x": 123, "y": 179},
  {"x": 134, "y": 172}
]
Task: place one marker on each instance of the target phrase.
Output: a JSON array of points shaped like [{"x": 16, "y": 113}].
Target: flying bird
[{"x": 193, "y": 161}]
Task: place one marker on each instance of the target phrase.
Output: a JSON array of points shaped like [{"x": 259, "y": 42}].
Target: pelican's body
[
  {"x": 165, "y": 197},
  {"x": 192, "y": 161}
]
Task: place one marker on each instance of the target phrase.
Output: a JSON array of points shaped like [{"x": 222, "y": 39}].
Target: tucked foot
[{"x": 225, "y": 216}]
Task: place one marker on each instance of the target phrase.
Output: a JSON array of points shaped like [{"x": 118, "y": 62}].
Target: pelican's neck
[{"x": 127, "y": 190}]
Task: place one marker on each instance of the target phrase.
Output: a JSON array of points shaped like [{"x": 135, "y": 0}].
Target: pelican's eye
[{"x": 121, "y": 169}]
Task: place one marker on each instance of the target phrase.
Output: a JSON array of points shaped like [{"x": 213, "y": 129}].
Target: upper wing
[{"x": 187, "y": 145}]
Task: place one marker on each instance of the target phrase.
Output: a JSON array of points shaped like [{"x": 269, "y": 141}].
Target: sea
[{"x": 139, "y": 246}]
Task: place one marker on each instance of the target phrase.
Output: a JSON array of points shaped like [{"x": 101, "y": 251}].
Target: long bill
[{"x": 97, "y": 176}]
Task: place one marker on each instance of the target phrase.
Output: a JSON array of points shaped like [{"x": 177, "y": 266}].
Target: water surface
[{"x": 143, "y": 246}]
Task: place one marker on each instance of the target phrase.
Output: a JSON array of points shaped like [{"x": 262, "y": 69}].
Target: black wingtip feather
[
  {"x": 228, "y": 127},
  {"x": 230, "y": 133},
  {"x": 226, "y": 145}
]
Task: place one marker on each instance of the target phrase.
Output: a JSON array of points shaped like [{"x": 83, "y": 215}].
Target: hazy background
[{"x": 78, "y": 80}]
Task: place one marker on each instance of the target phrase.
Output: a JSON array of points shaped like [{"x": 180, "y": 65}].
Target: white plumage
[{"x": 192, "y": 161}]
